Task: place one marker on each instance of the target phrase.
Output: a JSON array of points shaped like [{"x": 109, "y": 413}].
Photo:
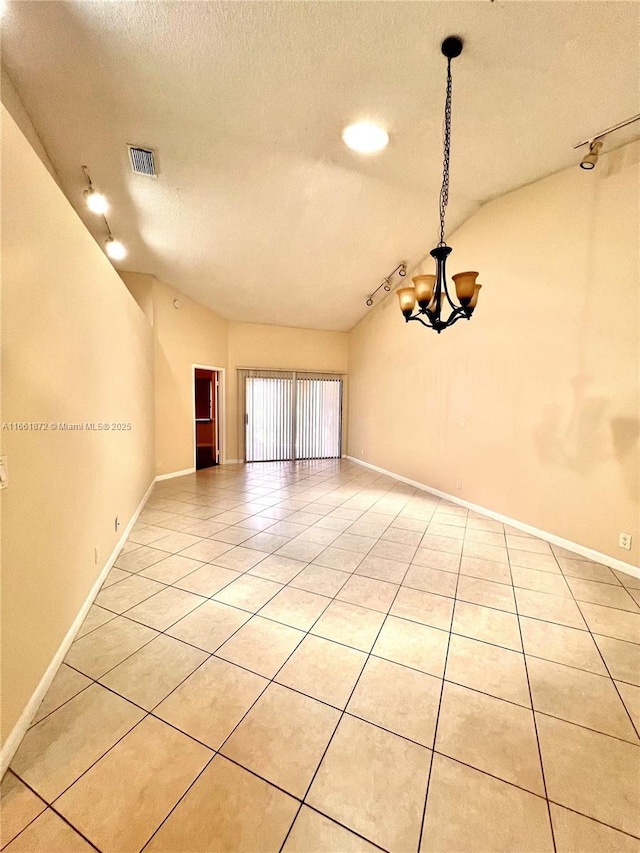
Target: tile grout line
[
  {"x": 367, "y": 553},
  {"x": 254, "y": 773},
  {"x": 606, "y": 666},
  {"x": 333, "y": 820},
  {"x": 252, "y": 615},
  {"x": 444, "y": 674},
  {"x": 211, "y": 598},
  {"x": 533, "y": 712},
  {"x": 247, "y": 572},
  {"x": 217, "y": 751},
  {"x": 341, "y": 717},
  {"x": 270, "y": 681},
  {"x": 48, "y": 807},
  {"x": 123, "y": 614},
  {"x": 147, "y": 714},
  {"x": 351, "y": 713},
  {"x": 307, "y": 633},
  {"x": 163, "y": 632}
]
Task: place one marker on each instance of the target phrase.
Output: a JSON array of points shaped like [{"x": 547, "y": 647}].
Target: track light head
[
  {"x": 115, "y": 249},
  {"x": 96, "y": 202},
  {"x": 590, "y": 160}
]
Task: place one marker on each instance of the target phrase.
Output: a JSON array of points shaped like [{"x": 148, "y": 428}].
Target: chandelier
[{"x": 431, "y": 292}]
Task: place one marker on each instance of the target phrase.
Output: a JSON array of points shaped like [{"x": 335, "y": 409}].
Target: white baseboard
[
  {"x": 598, "y": 557},
  {"x": 21, "y": 727},
  {"x": 174, "y": 474},
  {"x": 192, "y": 470}
]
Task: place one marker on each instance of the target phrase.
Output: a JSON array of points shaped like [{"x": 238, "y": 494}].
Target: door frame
[{"x": 221, "y": 420}]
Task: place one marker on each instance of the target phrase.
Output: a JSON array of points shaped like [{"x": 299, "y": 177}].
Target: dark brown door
[{"x": 206, "y": 408}]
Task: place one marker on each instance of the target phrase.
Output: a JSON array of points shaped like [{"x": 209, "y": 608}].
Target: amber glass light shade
[
  {"x": 465, "y": 283},
  {"x": 407, "y": 297},
  {"x": 424, "y": 287},
  {"x": 474, "y": 298}
]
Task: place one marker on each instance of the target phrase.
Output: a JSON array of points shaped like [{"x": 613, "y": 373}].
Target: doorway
[{"x": 206, "y": 408}]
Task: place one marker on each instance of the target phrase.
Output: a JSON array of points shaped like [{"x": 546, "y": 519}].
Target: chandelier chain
[
  {"x": 444, "y": 191},
  {"x": 429, "y": 302}
]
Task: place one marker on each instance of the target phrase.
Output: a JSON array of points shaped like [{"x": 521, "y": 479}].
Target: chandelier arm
[
  {"x": 449, "y": 300},
  {"x": 420, "y": 320},
  {"x": 459, "y": 314},
  {"x": 442, "y": 264}
]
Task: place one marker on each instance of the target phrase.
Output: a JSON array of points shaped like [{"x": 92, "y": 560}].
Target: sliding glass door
[
  {"x": 318, "y": 418},
  {"x": 291, "y": 415},
  {"x": 269, "y": 426}
]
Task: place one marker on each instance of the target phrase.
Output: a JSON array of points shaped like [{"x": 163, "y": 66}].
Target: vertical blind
[{"x": 290, "y": 415}]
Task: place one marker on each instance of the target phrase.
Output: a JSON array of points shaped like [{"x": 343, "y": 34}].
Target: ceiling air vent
[{"x": 142, "y": 161}]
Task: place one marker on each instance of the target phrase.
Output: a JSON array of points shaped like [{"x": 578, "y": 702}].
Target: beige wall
[
  {"x": 16, "y": 110},
  {"x": 75, "y": 348},
  {"x": 140, "y": 286},
  {"x": 192, "y": 334},
  {"x": 545, "y": 374},
  {"x": 184, "y": 336}
]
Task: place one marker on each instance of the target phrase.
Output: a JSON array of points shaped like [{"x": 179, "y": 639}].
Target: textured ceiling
[{"x": 259, "y": 210}]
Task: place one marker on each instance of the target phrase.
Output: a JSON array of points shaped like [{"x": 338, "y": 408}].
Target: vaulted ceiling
[{"x": 259, "y": 211}]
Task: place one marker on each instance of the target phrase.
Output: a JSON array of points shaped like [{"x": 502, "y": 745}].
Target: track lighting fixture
[
  {"x": 97, "y": 203},
  {"x": 431, "y": 292},
  {"x": 590, "y": 159},
  {"x": 596, "y": 142},
  {"x": 401, "y": 269}
]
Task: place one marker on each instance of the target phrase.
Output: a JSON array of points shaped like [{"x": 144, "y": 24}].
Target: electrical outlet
[
  {"x": 463, "y": 423},
  {"x": 158, "y": 464},
  {"x": 117, "y": 524},
  {"x": 624, "y": 541},
  {"x": 458, "y": 484},
  {"x": 96, "y": 554}
]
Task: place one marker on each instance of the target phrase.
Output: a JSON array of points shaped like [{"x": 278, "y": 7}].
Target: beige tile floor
[{"x": 312, "y": 657}]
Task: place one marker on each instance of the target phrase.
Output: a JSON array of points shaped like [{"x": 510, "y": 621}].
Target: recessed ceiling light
[{"x": 365, "y": 137}]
